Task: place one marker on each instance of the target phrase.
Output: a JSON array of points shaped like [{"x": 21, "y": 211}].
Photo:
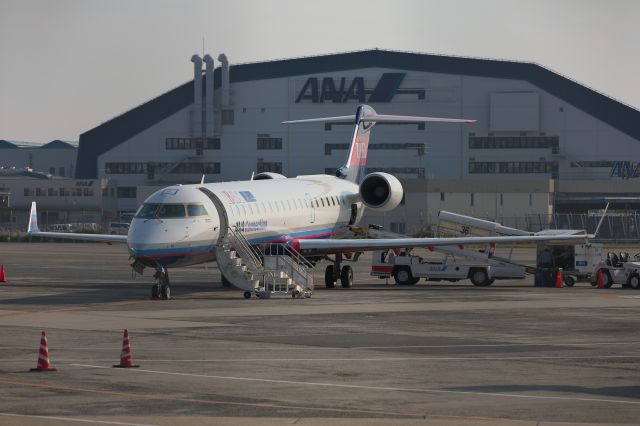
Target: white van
[{"x": 119, "y": 228}]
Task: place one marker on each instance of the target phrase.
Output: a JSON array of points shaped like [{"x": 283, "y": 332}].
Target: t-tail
[{"x": 364, "y": 120}]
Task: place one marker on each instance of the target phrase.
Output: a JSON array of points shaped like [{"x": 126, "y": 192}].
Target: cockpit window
[
  {"x": 161, "y": 211},
  {"x": 147, "y": 211},
  {"x": 196, "y": 210}
]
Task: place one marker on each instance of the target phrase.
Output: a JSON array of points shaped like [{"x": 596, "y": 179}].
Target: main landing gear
[
  {"x": 161, "y": 289},
  {"x": 335, "y": 271}
]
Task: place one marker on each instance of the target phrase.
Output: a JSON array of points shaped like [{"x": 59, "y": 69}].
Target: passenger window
[
  {"x": 196, "y": 210},
  {"x": 333, "y": 201},
  {"x": 322, "y": 201},
  {"x": 289, "y": 204}
]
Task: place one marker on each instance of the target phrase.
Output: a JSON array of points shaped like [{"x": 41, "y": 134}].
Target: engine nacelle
[
  {"x": 268, "y": 175},
  {"x": 381, "y": 192}
]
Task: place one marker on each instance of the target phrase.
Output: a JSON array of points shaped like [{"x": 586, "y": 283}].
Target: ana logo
[
  {"x": 625, "y": 169},
  {"x": 342, "y": 90}
]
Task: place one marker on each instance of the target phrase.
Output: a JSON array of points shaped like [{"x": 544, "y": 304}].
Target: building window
[
  {"x": 52, "y": 192},
  {"x": 419, "y": 147},
  {"x": 197, "y": 168},
  {"x": 418, "y": 171},
  {"x": 28, "y": 192},
  {"x": 273, "y": 167},
  {"x": 442, "y": 196},
  {"x": 61, "y": 171},
  {"x": 514, "y": 142},
  {"x": 266, "y": 142},
  {"x": 127, "y": 192},
  {"x": 40, "y": 192},
  {"x": 227, "y": 117},
  {"x": 512, "y": 167},
  {"x": 52, "y": 171},
  {"x": 502, "y": 199},
  {"x": 530, "y": 199},
  {"x": 124, "y": 168},
  {"x": 472, "y": 199},
  {"x": 192, "y": 143}
]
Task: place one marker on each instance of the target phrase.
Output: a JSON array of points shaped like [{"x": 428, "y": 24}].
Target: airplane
[{"x": 183, "y": 225}]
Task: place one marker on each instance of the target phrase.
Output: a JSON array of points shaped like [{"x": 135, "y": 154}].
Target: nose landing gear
[{"x": 162, "y": 288}]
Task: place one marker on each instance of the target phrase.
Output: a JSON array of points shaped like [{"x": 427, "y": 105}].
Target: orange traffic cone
[
  {"x": 43, "y": 358},
  {"x": 3, "y": 277},
  {"x": 126, "y": 359},
  {"x": 559, "y": 279},
  {"x": 600, "y": 280}
]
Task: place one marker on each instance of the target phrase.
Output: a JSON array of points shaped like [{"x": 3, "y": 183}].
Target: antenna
[
  {"x": 203, "y": 46},
  {"x": 202, "y": 180}
]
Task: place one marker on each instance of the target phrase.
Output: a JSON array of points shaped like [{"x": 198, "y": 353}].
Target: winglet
[{"x": 33, "y": 219}]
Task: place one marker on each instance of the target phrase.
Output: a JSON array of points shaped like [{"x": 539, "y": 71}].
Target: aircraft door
[
  {"x": 312, "y": 212},
  {"x": 222, "y": 213}
]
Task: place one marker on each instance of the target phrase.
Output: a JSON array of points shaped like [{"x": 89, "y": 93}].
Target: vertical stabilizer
[{"x": 354, "y": 168}]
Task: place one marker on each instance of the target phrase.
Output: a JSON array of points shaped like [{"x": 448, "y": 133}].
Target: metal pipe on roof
[
  {"x": 208, "y": 105},
  {"x": 196, "y": 114},
  {"x": 224, "y": 63}
]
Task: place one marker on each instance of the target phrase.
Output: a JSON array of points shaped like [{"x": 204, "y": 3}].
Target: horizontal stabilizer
[{"x": 380, "y": 118}]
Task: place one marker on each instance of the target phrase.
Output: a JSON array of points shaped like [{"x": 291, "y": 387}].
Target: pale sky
[{"x": 68, "y": 65}]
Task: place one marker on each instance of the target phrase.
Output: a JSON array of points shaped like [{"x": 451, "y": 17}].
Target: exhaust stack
[
  {"x": 224, "y": 63},
  {"x": 208, "y": 105},
  {"x": 196, "y": 114}
]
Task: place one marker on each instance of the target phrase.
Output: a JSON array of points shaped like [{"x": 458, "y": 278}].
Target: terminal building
[{"x": 543, "y": 143}]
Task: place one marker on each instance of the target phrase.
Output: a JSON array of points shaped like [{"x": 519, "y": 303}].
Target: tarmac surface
[{"x": 433, "y": 353}]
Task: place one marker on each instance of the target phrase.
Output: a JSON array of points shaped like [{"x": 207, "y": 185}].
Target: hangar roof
[
  {"x": 112, "y": 133},
  {"x": 7, "y": 145}
]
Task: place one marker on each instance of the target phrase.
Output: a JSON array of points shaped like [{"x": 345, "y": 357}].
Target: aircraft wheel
[
  {"x": 329, "y": 281},
  {"x": 634, "y": 282},
  {"x": 247, "y": 295},
  {"x": 165, "y": 291},
  {"x": 346, "y": 276},
  {"x": 155, "y": 291},
  {"x": 479, "y": 277},
  {"x": 403, "y": 276}
]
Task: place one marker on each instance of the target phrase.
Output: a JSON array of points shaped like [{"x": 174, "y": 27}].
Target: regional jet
[{"x": 184, "y": 225}]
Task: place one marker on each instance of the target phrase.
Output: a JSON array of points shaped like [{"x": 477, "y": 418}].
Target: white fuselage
[{"x": 173, "y": 230}]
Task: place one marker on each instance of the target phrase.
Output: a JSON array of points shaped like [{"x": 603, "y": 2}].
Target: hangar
[{"x": 543, "y": 143}]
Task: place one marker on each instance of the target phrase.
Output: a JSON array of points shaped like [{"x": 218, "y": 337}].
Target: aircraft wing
[
  {"x": 346, "y": 245},
  {"x": 103, "y": 238}
]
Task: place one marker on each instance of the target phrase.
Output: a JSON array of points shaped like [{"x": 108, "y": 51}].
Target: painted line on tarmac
[
  {"x": 72, "y": 419},
  {"x": 381, "y": 388},
  {"x": 264, "y": 405},
  {"x": 350, "y": 359}
]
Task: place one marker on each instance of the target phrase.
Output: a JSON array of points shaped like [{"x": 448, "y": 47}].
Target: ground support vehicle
[{"x": 408, "y": 269}]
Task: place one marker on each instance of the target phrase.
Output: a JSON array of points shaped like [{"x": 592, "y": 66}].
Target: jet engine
[{"x": 381, "y": 192}]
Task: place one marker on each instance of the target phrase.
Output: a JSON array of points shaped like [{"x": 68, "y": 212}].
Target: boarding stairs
[{"x": 265, "y": 270}]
